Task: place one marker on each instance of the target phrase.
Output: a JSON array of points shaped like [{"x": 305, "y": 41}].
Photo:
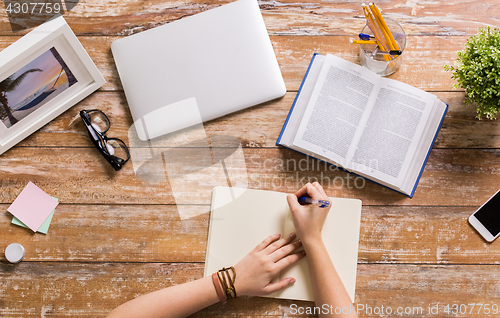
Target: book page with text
[
  {"x": 335, "y": 109},
  {"x": 392, "y": 133},
  {"x": 300, "y": 103},
  {"x": 425, "y": 145}
]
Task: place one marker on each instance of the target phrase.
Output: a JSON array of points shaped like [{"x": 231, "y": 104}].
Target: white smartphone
[{"x": 486, "y": 220}]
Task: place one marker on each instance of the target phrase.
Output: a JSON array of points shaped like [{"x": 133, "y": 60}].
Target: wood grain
[
  {"x": 257, "y": 127},
  {"x": 454, "y": 17},
  {"x": 422, "y": 66},
  {"x": 116, "y": 236},
  {"x": 156, "y": 233},
  {"x": 114, "y": 233},
  {"x": 81, "y": 175},
  {"x": 92, "y": 290}
]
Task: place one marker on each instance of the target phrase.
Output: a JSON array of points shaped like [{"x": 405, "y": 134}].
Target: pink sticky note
[{"x": 32, "y": 206}]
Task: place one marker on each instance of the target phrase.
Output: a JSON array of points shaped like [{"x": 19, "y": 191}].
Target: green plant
[{"x": 477, "y": 71}]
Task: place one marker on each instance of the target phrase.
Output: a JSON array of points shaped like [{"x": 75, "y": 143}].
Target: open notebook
[{"x": 242, "y": 218}]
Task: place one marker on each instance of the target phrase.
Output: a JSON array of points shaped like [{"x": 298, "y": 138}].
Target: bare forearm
[
  {"x": 256, "y": 272},
  {"x": 176, "y": 301},
  {"x": 327, "y": 286}
]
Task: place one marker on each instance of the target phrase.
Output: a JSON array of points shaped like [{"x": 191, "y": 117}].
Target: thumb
[{"x": 274, "y": 287}]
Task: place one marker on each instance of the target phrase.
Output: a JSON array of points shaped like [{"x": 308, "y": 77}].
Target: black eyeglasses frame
[{"x": 101, "y": 142}]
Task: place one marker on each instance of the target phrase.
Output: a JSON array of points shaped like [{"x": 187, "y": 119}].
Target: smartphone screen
[{"x": 489, "y": 215}]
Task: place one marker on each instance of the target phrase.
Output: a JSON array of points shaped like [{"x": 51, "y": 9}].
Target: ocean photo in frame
[
  {"x": 42, "y": 75},
  {"x": 32, "y": 86}
]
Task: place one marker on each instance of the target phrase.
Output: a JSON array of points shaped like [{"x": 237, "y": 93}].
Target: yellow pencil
[
  {"x": 370, "y": 21},
  {"x": 379, "y": 18},
  {"x": 376, "y": 10},
  {"x": 362, "y": 42}
]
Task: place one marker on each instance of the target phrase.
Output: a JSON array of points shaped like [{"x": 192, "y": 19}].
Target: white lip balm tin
[{"x": 14, "y": 253}]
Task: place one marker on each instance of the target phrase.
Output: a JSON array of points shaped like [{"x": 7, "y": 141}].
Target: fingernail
[
  {"x": 291, "y": 235},
  {"x": 277, "y": 234},
  {"x": 303, "y": 252},
  {"x": 292, "y": 280}
]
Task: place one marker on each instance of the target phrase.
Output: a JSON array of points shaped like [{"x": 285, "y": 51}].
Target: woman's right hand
[{"x": 308, "y": 219}]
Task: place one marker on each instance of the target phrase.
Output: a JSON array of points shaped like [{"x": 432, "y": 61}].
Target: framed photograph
[{"x": 42, "y": 75}]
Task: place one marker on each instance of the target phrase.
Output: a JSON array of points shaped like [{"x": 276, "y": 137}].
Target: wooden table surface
[{"x": 115, "y": 237}]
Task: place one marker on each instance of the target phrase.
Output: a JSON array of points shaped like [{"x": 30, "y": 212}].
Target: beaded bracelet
[{"x": 227, "y": 282}]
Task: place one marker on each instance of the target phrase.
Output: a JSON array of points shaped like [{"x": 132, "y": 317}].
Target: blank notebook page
[{"x": 242, "y": 218}]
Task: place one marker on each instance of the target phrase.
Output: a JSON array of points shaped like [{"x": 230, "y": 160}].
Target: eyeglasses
[{"x": 113, "y": 149}]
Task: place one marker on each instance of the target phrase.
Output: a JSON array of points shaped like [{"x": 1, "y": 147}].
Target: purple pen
[{"x": 320, "y": 203}]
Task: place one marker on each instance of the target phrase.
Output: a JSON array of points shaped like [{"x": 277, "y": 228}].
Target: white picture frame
[{"x": 78, "y": 77}]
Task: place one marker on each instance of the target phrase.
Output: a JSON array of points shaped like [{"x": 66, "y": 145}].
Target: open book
[
  {"x": 376, "y": 127},
  {"x": 242, "y": 218}
]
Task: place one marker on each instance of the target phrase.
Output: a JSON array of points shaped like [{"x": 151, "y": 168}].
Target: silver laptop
[{"x": 198, "y": 68}]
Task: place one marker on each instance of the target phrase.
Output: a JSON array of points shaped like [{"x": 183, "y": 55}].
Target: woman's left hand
[{"x": 256, "y": 270}]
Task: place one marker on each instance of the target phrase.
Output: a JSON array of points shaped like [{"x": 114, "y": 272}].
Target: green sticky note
[{"x": 44, "y": 228}]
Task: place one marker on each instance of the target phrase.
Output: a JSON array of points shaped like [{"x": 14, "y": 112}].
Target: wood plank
[
  {"x": 454, "y": 17},
  {"x": 80, "y": 289},
  {"x": 421, "y": 235},
  {"x": 424, "y": 286},
  {"x": 156, "y": 233},
  {"x": 92, "y": 290},
  {"x": 82, "y": 175},
  {"x": 113, "y": 233},
  {"x": 258, "y": 126},
  {"x": 422, "y": 66}
]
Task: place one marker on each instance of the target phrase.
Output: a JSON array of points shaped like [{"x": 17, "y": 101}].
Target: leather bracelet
[
  {"x": 227, "y": 282},
  {"x": 218, "y": 288}
]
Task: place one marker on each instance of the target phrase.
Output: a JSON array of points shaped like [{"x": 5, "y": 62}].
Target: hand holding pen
[
  {"x": 319, "y": 203},
  {"x": 309, "y": 219}
]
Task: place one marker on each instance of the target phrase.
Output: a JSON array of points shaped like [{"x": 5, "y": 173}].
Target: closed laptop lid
[{"x": 198, "y": 68}]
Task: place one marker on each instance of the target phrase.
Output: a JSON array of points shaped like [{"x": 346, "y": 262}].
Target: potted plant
[{"x": 477, "y": 71}]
